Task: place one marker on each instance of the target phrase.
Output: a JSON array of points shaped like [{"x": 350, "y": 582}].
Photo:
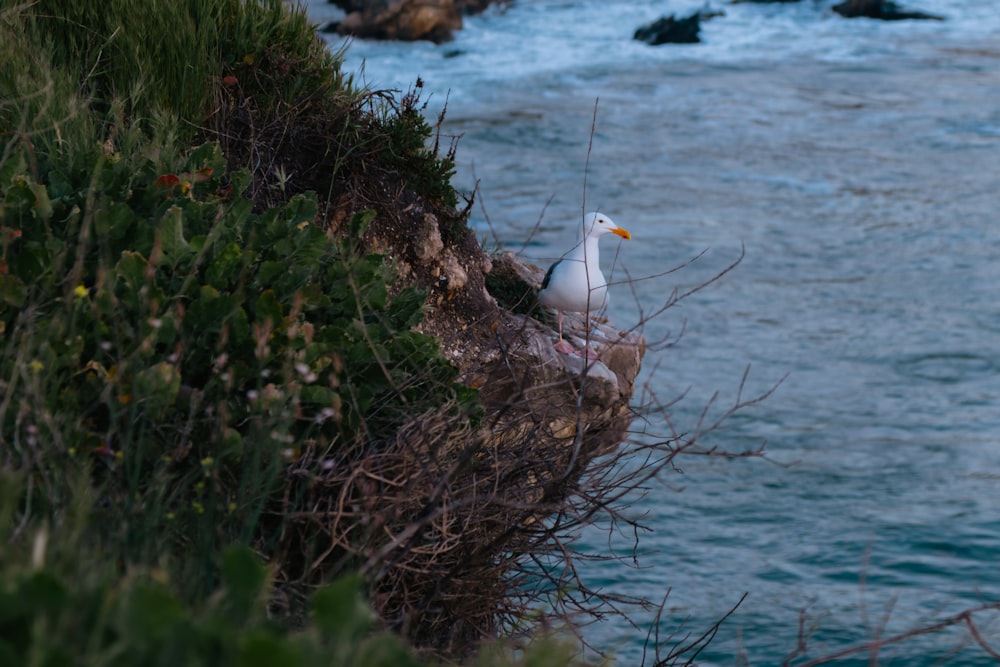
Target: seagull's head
[{"x": 598, "y": 224}]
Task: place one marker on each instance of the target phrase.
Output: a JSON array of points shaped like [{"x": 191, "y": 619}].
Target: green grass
[{"x": 166, "y": 57}]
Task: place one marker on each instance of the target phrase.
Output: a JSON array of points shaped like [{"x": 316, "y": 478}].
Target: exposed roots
[{"x": 438, "y": 520}]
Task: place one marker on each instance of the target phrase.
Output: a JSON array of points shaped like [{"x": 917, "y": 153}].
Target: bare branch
[{"x": 964, "y": 618}]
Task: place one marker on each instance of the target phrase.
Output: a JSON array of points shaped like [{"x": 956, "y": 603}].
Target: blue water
[{"x": 858, "y": 164}]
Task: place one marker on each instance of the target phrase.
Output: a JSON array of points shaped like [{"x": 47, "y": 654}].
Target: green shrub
[
  {"x": 58, "y": 610},
  {"x": 63, "y": 609},
  {"x": 187, "y": 348},
  {"x": 425, "y": 171}
]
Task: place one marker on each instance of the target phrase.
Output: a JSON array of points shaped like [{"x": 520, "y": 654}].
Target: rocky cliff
[
  {"x": 444, "y": 514},
  {"x": 472, "y": 511}
]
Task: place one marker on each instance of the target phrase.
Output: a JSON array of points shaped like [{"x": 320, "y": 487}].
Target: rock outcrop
[
  {"x": 502, "y": 343},
  {"x": 406, "y": 20},
  {"x": 535, "y": 386},
  {"x": 672, "y": 30},
  {"x": 885, "y": 10},
  {"x": 506, "y": 350},
  {"x": 463, "y": 500}
]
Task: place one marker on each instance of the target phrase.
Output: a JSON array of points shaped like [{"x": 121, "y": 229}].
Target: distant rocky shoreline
[{"x": 438, "y": 20}]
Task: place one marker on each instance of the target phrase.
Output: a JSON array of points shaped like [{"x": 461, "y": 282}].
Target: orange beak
[{"x": 622, "y": 233}]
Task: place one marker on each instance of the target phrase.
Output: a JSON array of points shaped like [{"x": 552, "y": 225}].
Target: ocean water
[{"x": 856, "y": 164}]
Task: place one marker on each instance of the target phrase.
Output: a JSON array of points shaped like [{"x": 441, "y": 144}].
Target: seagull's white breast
[{"x": 576, "y": 283}]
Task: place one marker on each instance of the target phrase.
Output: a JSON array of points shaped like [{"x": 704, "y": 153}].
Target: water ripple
[{"x": 946, "y": 368}]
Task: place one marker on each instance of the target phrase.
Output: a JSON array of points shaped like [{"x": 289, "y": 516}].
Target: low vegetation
[{"x": 185, "y": 352}]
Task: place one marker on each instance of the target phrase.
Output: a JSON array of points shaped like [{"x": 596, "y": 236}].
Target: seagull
[{"x": 575, "y": 283}]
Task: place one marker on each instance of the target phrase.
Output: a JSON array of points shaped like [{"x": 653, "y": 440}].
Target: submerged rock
[
  {"x": 885, "y": 10},
  {"x": 672, "y": 30}
]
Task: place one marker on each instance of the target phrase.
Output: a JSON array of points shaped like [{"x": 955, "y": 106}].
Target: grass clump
[{"x": 168, "y": 56}]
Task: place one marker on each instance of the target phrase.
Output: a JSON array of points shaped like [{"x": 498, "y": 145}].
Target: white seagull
[{"x": 575, "y": 283}]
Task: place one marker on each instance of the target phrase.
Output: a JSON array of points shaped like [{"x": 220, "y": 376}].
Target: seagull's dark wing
[{"x": 548, "y": 274}]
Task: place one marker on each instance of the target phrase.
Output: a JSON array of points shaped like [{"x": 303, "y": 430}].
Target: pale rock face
[
  {"x": 427, "y": 243},
  {"x": 453, "y": 271}
]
